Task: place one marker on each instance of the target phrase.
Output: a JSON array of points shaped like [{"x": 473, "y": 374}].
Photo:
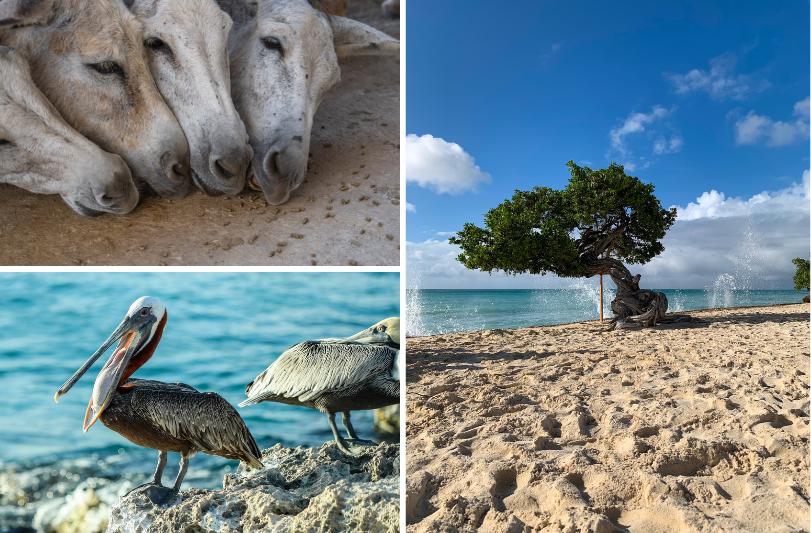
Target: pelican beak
[{"x": 130, "y": 332}]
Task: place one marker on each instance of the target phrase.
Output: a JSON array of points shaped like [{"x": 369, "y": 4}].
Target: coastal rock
[
  {"x": 66, "y": 496},
  {"x": 299, "y": 489}
]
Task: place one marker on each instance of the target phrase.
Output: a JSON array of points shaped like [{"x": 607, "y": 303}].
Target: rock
[
  {"x": 85, "y": 509},
  {"x": 299, "y": 489},
  {"x": 806, "y": 299}
]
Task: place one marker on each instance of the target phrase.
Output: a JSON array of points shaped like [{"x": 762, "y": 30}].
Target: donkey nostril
[
  {"x": 179, "y": 170},
  {"x": 226, "y": 169},
  {"x": 272, "y": 164}
]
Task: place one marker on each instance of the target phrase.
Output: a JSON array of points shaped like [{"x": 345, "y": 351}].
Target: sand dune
[{"x": 693, "y": 427}]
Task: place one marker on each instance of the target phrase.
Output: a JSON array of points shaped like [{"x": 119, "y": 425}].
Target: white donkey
[
  {"x": 284, "y": 58},
  {"x": 88, "y": 58},
  {"x": 187, "y": 48},
  {"x": 40, "y": 153}
]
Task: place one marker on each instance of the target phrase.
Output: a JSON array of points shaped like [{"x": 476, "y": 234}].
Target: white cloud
[
  {"x": 752, "y": 239},
  {"x": 668, "y": 146},
  {"x": 754, "y": 128},
  {"x": 411, "y": 208},
  {"x": 719, "y": 81},
  {"x": 444, "y": 167},
  {"x": 635, "y": 123},
  {"x": 651, "y": 127},
  {"x": 714, "y": 204}
]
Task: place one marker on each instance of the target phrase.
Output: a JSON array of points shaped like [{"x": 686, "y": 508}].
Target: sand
[
  {"x": 347, "y": 212},
  {"x": 692, "y": 427}
]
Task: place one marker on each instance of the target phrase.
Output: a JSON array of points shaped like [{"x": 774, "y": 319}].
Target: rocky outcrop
[{"x": 299, "y": 489}]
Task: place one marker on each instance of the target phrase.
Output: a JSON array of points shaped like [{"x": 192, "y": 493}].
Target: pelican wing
[
  {"x": 311, "y": 368},
  {"x": 204, "y": 419}
]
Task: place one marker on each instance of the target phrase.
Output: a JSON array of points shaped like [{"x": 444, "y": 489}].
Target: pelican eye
[
  {"x": 107, "y": 68},
  {"x": 273, "y": 43},
  {"x": 144, "y": 311}
]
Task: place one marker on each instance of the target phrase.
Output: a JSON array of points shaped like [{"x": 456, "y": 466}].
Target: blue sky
[{"x": 694, "y": 96}]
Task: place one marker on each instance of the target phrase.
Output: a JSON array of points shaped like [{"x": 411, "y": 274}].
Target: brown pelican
[
  {"x": 168, "y": 417},
  {"x": 335, "y": 376}
]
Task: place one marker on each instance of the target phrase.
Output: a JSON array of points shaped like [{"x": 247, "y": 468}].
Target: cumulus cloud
[
  {"x": 441, "y": 166},
  {"x": 719, "y": 81},
  {"x": 754, "y": 128},
  {"x": 751, "y": 239},
  {"x": 411, "y": 208}
]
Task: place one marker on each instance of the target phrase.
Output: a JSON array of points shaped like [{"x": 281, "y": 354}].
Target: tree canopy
[
  {"x": 801, "y": 274},
  {"x": 599, "y": 214}
]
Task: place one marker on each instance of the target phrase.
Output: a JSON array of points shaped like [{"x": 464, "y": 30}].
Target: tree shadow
[
  {"x": 743, "y": 316},
  {"x": 430, "y": 361}
]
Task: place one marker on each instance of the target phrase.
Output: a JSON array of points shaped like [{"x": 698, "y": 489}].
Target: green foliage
[
  {"x": 600, "y": 213},
  {"x": 801, "y": 274}
]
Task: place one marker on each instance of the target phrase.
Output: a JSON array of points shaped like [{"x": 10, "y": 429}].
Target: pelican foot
[{"x": 157, "y": 494}]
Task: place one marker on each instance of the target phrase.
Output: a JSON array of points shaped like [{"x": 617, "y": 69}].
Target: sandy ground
[
  {"x": 693, "y": 427},
  {"x": 347, "y": 211}
]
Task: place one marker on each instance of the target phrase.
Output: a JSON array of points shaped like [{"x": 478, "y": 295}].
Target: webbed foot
[{"x": 157, "y": 494}]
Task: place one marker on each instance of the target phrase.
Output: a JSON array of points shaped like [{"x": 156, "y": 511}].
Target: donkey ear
[
  {"x": 353, "y": 38},
  {"x": 15, "y": 13}
]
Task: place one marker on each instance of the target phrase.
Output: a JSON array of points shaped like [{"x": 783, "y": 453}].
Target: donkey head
[
  {"x": 39, "y": 152},
  {"x": 87, "y": 57}
]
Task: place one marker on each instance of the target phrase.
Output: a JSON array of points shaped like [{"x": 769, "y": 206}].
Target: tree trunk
[{"x": 632, "y": 306}]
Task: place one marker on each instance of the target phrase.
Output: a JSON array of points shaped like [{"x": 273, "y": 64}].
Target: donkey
[
  {"x": 40, "y": 153},
  {"x": 284, "y": 58},
  {"x": 187, "y": 48},
  {"x": 88, "y": 58}
]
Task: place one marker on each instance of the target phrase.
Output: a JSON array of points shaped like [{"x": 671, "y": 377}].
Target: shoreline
[
  {"x": 682, "y": 427},
  {"x": 597, "y": 321}
]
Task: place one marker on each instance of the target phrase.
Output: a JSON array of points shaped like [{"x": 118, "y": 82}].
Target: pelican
[
  {"x": 335, "y": 376},
  {"x": 168, "y": 417}
]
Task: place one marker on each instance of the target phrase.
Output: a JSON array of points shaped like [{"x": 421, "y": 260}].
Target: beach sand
[{"x": 687, "y": 427}]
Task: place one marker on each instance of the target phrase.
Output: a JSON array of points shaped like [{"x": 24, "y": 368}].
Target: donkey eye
[
  {"x": 273, "y": 43},
  {"x": 153, "y": 43},
  {"x": 4, "y": 142},
  {"x": 107, "y": 68}
]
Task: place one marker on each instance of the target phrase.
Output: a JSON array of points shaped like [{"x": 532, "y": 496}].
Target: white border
[{"x": 403, "y": 314}]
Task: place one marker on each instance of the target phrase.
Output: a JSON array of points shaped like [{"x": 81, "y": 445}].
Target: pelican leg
[
  {"x": 156, "y": 477},
  {"x": 184, "y": 465},
  {"x": 339, "y": 442},
  {"x": 350, "y": 431}
]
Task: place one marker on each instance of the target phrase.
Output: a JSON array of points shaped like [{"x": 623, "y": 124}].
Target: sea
[
  {"x": 438, "y": 311},
  {"x": 223, "y": 329}
]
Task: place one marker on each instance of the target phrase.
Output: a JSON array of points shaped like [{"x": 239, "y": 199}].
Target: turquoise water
[
  {"x": 438, "y": 311},
  {"x": 223, "y": 329}
]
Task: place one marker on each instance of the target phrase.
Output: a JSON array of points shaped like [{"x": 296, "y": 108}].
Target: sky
[{"x": 707, "y": 100}]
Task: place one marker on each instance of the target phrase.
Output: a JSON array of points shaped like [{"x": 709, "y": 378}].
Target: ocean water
[
  {"x": 223, "y": 329},
  {"x": 432, "y": 312}
]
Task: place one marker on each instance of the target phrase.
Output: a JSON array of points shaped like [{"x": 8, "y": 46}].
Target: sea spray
[
  {"x": 414, "y": 324},
  {"x": 731, "y": 289}
]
